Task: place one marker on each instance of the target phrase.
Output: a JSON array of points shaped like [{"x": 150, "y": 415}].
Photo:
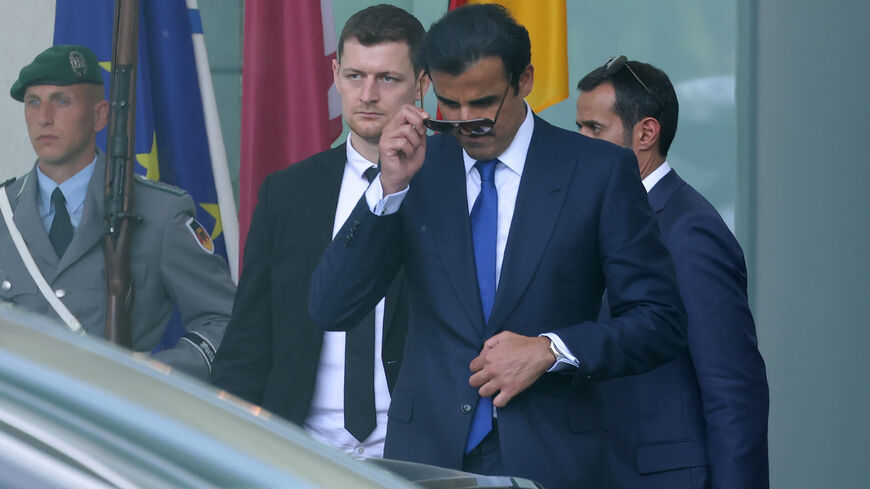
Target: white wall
[
  {"x": 812, "y": 229},
  {"x": 26, "y": 28}
]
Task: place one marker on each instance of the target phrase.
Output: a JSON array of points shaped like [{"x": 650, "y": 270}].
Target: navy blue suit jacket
[
  {"x": 271, "y": 349},
  {"x": 699, "y": 421},
  {"x": 581, "y": 219}
]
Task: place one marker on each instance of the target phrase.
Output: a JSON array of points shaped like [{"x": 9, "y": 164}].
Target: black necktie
[
  {"x": 359, "y": 370},
  {"x": 61, "y": 231},
  {"x": 370, "y": 173}
]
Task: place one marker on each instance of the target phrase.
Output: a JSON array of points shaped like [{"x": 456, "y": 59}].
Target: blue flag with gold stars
[{"x": 171, "y": 139}]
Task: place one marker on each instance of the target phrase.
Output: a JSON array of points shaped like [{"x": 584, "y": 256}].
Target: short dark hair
[
  {"x": 468, "y": 34},
  {"x": 633, "y": 103},
  {"x": 384, "y": 23}
]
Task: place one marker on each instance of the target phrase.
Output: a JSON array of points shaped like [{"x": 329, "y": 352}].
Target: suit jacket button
[
  {"x": 466, "y": 408},
  {"x": 60, "y": 293},
  {"x": 6, "y": 285}
]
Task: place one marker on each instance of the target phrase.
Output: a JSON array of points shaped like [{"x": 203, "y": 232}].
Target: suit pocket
[
  {"x": 402, "y": 406},
  {"x": 19, "y": 290},
  {"x": 672, "y": 455}
]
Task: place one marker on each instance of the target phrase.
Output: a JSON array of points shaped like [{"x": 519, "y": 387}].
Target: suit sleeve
[
  {"x": 724, "y": 350},
  {"x": 199, "y": 284},
  {"x": 244, "y": 360},
  {"x": 357, "y": 268},
  {"x": 648, "y": 323}
]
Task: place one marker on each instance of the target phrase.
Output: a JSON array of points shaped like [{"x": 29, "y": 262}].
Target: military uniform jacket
[{"x": 168, "y": 267}]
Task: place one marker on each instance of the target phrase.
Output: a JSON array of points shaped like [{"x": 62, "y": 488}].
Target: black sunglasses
[
  {"x": 615, "y": 63},
  {"x": 471, "y": 127}
]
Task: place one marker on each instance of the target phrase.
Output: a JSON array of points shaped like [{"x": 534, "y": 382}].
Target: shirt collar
[
  {"x": 514, "y": 157},
  {"x": 356, "y": 161},
  {"x": 653, "y": 178},
  {"x": 74, "y": 189}
]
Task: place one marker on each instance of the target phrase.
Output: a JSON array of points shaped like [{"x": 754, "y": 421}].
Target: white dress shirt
[
  {"x": 653, "y": 178},
  {"x": 325, "y": 420}
]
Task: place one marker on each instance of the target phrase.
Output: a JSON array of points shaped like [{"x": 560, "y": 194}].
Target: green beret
[{"x": 62, "y": 65}]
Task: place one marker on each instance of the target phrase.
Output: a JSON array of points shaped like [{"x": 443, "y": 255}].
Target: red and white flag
[{"x": 290, "y": 109}]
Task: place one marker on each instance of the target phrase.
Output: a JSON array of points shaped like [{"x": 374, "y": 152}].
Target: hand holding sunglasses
[{"x": 402, "y": 148}]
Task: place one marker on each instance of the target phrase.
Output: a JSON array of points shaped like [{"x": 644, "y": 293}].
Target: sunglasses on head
[
  {"x": 616, "y": 63},
  {"x": 470, "y": 127}
]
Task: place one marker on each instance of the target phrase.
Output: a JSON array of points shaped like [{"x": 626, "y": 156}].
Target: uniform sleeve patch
[{"x": 201, "y": 235}]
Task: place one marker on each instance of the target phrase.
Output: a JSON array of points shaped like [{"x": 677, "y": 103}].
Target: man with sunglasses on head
[
  {"x": 699, "y": 421},
  {"x": 336, "y": 385},
  {"x": 508, "y": 230}
]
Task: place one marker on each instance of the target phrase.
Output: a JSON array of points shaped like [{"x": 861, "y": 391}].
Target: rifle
[{"x": 119, "y": 172}]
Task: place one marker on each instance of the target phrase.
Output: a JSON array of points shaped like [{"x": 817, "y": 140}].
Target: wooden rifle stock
[{"x": 119, "y": 172}]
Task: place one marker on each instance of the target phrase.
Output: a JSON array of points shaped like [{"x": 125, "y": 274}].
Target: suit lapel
[
  {"x": 90, "y": 229},
  {"x": 29, "y": 223},
  {"x": 451, "y": 226},
  {"x": 321, "y": 218},
  {"x": 390, "y": 305},
  {"x": 663, "y": 190},
  {"x": 540, "y": 197}
]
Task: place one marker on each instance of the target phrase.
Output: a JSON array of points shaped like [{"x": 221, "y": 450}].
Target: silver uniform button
[
  {"x": 60, "y": 293},
  {"x": 6, "y": 285}
]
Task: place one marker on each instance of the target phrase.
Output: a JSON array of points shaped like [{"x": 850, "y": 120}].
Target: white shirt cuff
[
  {"x": 380, "y": 205},
  {"x": 569, "y": 362}
]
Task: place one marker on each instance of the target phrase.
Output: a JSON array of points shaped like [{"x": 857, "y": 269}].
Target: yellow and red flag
[{"x": 547, "y": 25}]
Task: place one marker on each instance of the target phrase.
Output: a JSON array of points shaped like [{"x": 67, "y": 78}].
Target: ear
[
  {"x": 101, "y": 115},
  {"x": 527, "y": 80},
  {"x": 423, "y": 83},
  {"x": 335, "y": 67},
  {"x": 646, "y": 134}
]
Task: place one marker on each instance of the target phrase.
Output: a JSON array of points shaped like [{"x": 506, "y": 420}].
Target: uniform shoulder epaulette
[
  {"x": 7, "y": 182},
  {"x": 172, "y": 189}
]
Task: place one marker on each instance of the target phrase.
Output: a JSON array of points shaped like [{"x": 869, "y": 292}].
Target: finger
[
  {"x": 477, "y": 380},
  {"x": 476, "y": 365},
  {"x": 411, "y": 116},
  {"x": 405, "y": 147},
  {"x": 480, "y": 378},
  {"x": 488, "y": 389},
  {"x": 412, "y": 135},
  {"x": 502, "y": 399},
  {"x": 494, "y": 340}
]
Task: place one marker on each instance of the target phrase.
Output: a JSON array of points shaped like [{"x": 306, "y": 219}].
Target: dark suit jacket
[
  {"x": 699, "y": 421},
  {"x": 581, "y": 218},
  {"x": 271, "y": 349}
]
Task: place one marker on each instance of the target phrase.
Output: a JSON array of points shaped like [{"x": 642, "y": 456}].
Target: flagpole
[{"x": 217, "y": 150}]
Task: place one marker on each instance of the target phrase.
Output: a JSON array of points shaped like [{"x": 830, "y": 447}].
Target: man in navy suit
[
  {"x": 699, "y": 421},
  {"x": 508, "y": 229}
]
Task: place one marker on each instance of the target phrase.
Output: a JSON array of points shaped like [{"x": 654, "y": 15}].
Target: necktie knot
[
  {"x": 57, "y": 198},
  {"x": 486, "y": 169},
  {"x": 370, "y": 173}
]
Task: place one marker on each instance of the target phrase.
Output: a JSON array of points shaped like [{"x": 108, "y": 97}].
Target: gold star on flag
[
  {"x": 215, "y": 212},
  {"x": 149, "y": 161},
  {"x": 106, "y": 65}
]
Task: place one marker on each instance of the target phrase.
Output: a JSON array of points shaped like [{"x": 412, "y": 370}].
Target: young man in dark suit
[
  {"x": 274, "y": 356},
  {"x": 508, "y": 229},
  {"x": 699, "y": 421}
]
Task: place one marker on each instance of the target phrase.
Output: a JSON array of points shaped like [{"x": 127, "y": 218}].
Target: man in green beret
[{"x": 57, "y": 210}]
